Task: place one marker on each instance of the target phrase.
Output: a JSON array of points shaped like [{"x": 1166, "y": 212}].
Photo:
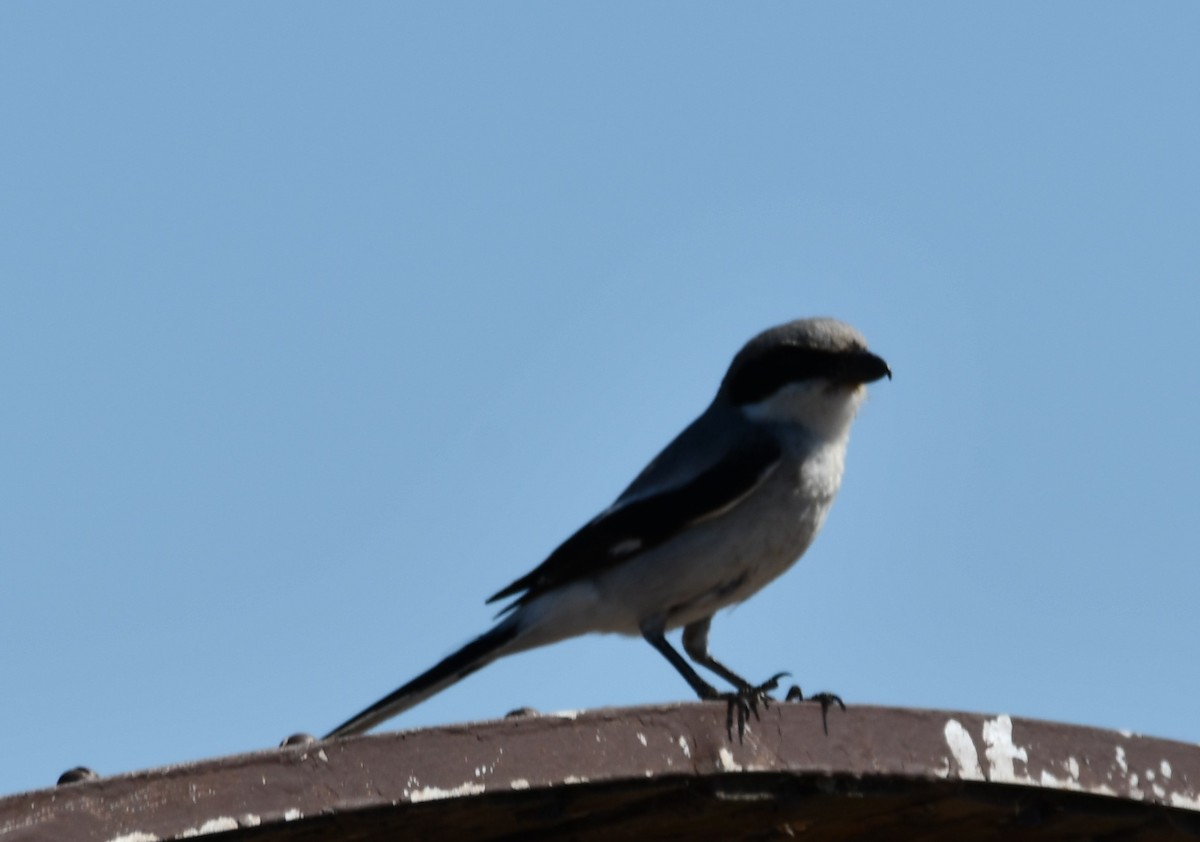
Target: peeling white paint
[
  {"x": 962, "y": 748},
  {"x": 1002, "y": 751},
  {"x": 1071, "y": 782},
  {"x": 944, "y": 770},
  {"x": 566, "y": 714},
  {"x": 726, "y": 762},
  {"x": 1188, "y": 802},
  {"x": 433, "y": 793},
  {"x": 1051, "y": 782},
  {"x": 217, "y": 825}
]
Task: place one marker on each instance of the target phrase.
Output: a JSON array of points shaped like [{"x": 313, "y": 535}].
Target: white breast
[{"x": 715, "y": 563}]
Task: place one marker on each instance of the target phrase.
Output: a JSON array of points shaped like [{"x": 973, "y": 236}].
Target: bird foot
[
  {"x": 745, "y": 701},
  {"x": 826, "y": 700}
]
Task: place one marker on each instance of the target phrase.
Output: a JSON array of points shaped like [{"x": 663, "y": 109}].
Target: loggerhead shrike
[{"x": 728, "y": 506}]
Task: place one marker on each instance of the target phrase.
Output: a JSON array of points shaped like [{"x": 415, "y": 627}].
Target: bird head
[{"x": 809, "y": 372}]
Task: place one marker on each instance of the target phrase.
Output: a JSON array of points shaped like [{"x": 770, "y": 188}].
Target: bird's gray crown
[{"x": 805, "y": 349}]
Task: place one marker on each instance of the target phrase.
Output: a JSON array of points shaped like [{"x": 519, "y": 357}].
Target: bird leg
[
  {"x": 743, "y": 702},
  {"x": 695, "y": 643},
  {"x": 748, "y": 696}
]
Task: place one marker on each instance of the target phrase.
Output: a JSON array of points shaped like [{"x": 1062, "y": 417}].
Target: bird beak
[{"x": 864, "y": 367}]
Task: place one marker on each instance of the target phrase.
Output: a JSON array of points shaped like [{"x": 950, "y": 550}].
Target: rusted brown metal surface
[{"x": 656, "y": 773}]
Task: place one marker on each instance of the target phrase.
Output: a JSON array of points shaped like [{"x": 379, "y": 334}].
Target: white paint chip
[
  {"x": 1051, "y": 782},
  {"x": 136, "y": 836},
  {"x": 519, "y": 783},
  {"x": 1165, "y": 768},
  {"x": 726, "y": 762},
  {"x": 1002, "y": 751},
  {"x": 944, "y": 770},
  {"x": 683, "y": 744},
  {"x": 642, "y": 738},
  {"x": 962, "y": 748},
  {"x": 433, "y": 793},
  {"x": 217, "y": 825},
  {"x": 1187, "y": 802}
]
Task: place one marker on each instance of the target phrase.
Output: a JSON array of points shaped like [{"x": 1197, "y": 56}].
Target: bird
[{"x": 725, "y": 508}]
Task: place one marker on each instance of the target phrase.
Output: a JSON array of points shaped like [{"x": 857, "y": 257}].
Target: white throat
[{"x": 824, "y": 409}]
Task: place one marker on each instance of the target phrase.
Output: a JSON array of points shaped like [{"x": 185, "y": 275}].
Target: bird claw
[
  {"x": 826, "y": 700},
  {"x": 745, "y": 701}
]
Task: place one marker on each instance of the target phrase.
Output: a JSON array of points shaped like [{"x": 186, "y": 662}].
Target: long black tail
[{"x": 478, "y": 653}]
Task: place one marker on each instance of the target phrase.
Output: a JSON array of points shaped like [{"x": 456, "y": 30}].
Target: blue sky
[{"x": 323, "y": 322}]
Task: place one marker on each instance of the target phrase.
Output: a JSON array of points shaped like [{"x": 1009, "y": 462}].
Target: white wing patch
[{"x": 626, "y": 547}]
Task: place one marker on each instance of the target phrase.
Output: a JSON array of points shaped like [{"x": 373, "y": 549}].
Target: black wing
[{"x": 625, "y": 530}]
